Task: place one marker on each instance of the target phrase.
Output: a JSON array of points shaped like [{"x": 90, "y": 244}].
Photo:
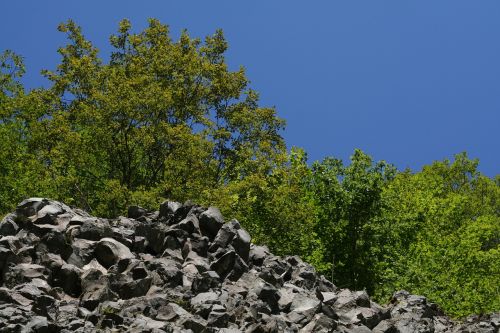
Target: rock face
[{"x": 181, "y": 269}]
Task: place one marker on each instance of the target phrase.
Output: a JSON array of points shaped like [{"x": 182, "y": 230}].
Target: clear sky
[{"x": 408, "y": 82}]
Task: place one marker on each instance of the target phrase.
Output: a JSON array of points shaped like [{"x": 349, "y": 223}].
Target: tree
[
  {"x": 160, "y": 119},
  {"x": 348, "y": 199},
  {"x": 445, "y": 230}
]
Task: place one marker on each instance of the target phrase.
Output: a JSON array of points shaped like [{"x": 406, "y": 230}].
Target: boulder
[
  {"x": 109, "y": 251},
  {"x": 211, "y": 221}
]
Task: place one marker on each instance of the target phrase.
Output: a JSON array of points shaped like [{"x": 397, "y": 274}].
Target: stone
[
  {"x": 83, "y": 252},
  {"x": 95, "y": 289},
  {"x": 241, "y": 244},
  {"x": 135, "y": 212},
  {"x": 190, "y": 224},
  {"x": 109, "y": 251},
  {"x": 22, "y": 273},
  {"x": 211, "y": 221},
  {"x": 206, "y": 281},
  {"x": 168, "y": 209},
  {"x": 270, "y": 295},
  {"x": 56, "y": 243},
  {"x": 68, "y": 278},
  {"x": 8, "y": 227},
  {"x": 94, "y": 230},
  {"x": 224, "y": 264},
  {"x": 320, "y": 323},
  {"x": 171, "y": 312}
]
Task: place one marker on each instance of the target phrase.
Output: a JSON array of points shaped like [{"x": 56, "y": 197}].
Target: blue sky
[{"x": 408, "y": 82}]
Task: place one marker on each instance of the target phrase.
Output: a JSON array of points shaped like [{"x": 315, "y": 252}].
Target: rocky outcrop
[{"x": 181, "y": 269}]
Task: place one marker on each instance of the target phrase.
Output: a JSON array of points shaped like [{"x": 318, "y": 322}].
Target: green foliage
[
  {"x": 160, "y": 117},
  {"x": 444, "y": 228},
  {"x": 348, "y": 200}
]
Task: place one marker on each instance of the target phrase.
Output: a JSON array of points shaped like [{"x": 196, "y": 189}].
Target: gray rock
[
  {"x": 211, "y": 221},
  {"x": 241, "y": 244},
  {"x": 8, "y": 226},
  {"x": 109, "y": 251},
  {"x": 190, "y": 224},
  {"x": 224, "y": 264},
  {"x": 135, "y": 212},
  {"x": 23, "y": 273},
  {"x": 171, "y": 312},
  {"x": 94, "y": 230},
  {"x": 168, "y": 208}
]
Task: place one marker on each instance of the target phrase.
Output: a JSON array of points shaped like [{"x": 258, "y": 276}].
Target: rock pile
[{"x": 181, "y": 269}]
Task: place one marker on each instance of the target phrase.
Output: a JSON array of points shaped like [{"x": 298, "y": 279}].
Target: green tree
[
  {"x": 445, "y": 231},
  {"x": 348, "y": 200},
  {"x": 161, "y": 119}
]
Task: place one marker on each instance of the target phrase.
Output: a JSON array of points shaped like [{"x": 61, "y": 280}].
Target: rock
[
  {"x": 190, "y": 224},
  {"x": 49, "y": 212},
  {"x": 30, "y": 207},
  {"x": 179, "y": 270},
  {"x": 83, "y": 252},
  {"x": 22, "y": 273},
  {"x": 56, "y": 243},
  {"x": 168, "y": 209},
  {"x": 135, "y": 212},
  {"x": 205, "y": 282},
  {"x": 320, "y": 323},
  {"x": 68, "y": 278},
  {"x": 258, "y": 254},
  {"x": 171, "y": 312},
  {"x": 303, "y": 308},
  {"x": 224, "y": 264},
  {"x": 211, "y": 221},
  {"x": 197, "y": 325},
  {"x": 8, "y": 226},
  {"x": 94, "y": 230},
  {"x": 241, "y": 244},
  {"x": 207, "y": 297},
  {"x": 95, "y": 289},
  {"x": 94, "y": 264},
  {"x": 155, "y": 235},
  {"x": 109, "y": 251},
  {"x": 168, "y": 271},
  {"x": 218, "y": 318},
  {"x": 271, "y": 297}
]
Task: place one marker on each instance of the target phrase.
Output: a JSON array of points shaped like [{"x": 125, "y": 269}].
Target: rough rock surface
[{"x": 181, "y": 269}]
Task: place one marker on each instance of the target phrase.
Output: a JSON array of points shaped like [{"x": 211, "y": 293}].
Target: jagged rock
[
  {"x": 320, "y": 323},
  {"x": 224, "y": 264},
  {"x": 68, "y": 278},
  {"x": 206, "y": 281},
  {"x": 83, "y": 252},
  {"x": 168, "y": 209},
  {"x": 22, "y": 273},
  {"x": 241, "y": 243},
  {"x": 271, "y": 297},
  {"x": 8, "y": 226},
  {"x": 109, "y": 251},
  {"x": 211, "y": 221},
  {"x": 95, "y": 288},
  {"x": 179, "y": 270},
  {"x": 258, "y": 254},
  {"x": 171, "y": 312},
  {"x": 94, "y": 230},
  {"x": 190, "y": 224},
  {"x": 135, "y": 212}
]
